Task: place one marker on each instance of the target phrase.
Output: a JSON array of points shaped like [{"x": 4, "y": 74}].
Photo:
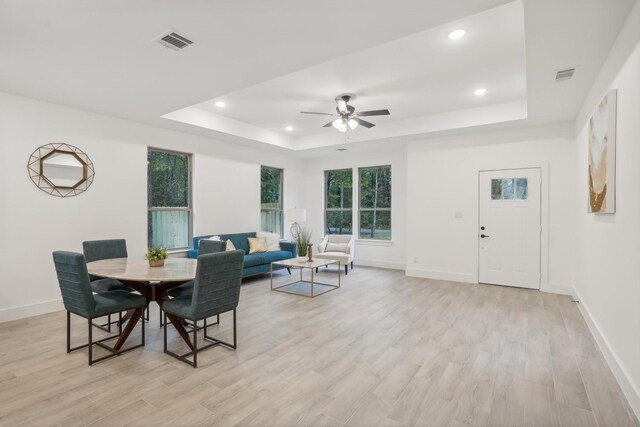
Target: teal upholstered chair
[
  {"x": 205, "y": 247},
  {"x": 95, "y": 250},
  {"x": 216, "y": 290},
  {"x": 78, "y": 298}
]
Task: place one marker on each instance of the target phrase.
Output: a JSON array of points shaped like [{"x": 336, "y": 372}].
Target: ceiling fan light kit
[{"x": 347, "y": 116}]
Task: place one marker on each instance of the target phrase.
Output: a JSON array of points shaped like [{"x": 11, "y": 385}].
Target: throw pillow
[
  {"x": 337, "y": 247},
  {"x": 230, "y": 246},
  {"x": 273, "y": 240},
  {"x": 217, "y": 238},
  {"x": 257, "y": 244}
]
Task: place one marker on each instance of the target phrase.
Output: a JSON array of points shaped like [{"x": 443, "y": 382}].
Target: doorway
[{"x": 509, "y": 227}]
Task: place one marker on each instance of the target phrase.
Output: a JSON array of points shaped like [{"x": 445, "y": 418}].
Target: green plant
[
  {"x": 302, "y": 237},
  {"x": 156, "y": 254}
]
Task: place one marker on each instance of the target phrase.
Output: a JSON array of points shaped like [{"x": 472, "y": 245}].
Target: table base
[{"x": 306, "y": 288}]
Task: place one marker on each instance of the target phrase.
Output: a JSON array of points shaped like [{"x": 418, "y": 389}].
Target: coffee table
[{"x": 306, "y": 288}]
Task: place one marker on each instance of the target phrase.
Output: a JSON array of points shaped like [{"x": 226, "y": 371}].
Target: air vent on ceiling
[
  {"x": 563, "y": 75},
  {"x": 172, "y": 40}
]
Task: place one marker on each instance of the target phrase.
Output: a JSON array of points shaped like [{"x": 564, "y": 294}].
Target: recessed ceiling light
[
  {"x": 457, "y": 34},
  {"x": 220, "y": 104},
  {"x": 480, "y": 92},
  {"x": 289, "y": 128}
]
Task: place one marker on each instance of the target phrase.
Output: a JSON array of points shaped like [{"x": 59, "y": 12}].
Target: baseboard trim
[
  {"x": 557, "y": 288},
  {"x": 15, "y": 313},
  {"x": 381, "y": 264},
  {"x": 440, "y": 275},
  {"x": 630, "y": 390}
]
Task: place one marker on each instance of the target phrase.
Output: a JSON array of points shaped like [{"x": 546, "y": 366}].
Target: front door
[{"x": 509, "y": 228}]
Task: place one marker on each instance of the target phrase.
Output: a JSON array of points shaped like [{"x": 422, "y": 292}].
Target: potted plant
[
  {"x": 302, "y": 237},
  {"x": 156, "y": 256}
]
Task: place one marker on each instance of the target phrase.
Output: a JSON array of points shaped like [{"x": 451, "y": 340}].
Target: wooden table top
[{"x": 137, "y": 269}]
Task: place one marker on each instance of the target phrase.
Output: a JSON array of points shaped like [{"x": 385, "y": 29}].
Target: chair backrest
[
  {"x": 95, "y": 250},
  {"x": 339, "y": 238},
  {"x": 73, "y": 279},
  {"x": 216, "y": 288},
  {"x": 211, "y": 247}
]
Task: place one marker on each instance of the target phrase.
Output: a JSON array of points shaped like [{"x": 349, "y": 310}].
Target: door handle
[{"x": 483, "y": 236}]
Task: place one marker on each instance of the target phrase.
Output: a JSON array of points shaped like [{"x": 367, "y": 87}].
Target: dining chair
[
  {"x": 216, "y": 290},
  {"x": 205, "y": 247},
  {"x": 95, "y": 250},
  {"x": 79, "y": 299},
  {"x": 186, "y": 289}
]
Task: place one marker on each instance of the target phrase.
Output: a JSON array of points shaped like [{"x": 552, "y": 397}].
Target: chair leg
[
  {"x": 235, "y": 335},
  {"x": 90, "y": 343},
  {"x": 68, "y": 331},
  {"x": 195, "y": 345},
  {"x": 352, "y": 265},
  {"x": 164, "y": 327},
  {"x": 316, "y": 269},
  {"x": 346, "y": 270}
]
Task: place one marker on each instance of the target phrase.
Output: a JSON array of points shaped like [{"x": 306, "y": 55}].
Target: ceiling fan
[{"x": 347, "y": 116}]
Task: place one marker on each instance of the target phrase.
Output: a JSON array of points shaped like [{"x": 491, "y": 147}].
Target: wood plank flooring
[{"x": 384, "y": 350}]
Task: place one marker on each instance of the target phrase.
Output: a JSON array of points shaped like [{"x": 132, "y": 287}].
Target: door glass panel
[
  {"x": 509, "y": 189},
  {"x": 521, "y": 188},
  {"x": 496, "y": 189}
]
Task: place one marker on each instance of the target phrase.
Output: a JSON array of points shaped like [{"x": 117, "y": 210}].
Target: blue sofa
[{"x": 253, "y": 263}]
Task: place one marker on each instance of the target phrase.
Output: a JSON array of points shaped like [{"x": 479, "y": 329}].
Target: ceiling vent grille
[
  {"x": 172, "y": 40},
  {"x": 563, "y": 75}
]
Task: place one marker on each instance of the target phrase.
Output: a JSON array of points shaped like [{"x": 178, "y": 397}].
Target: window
[
  {"x": 338, "y": 205},
  {"x": 509, "y": 189},
  {"x": 169, "y": 199},
  {"x": 271, "y": 218},
  {"x": 375, "y": 202}
]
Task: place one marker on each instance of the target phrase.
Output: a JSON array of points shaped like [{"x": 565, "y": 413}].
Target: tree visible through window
[
  {"x": 338, "y": 210},
  {"x": 271, "y": 217},
  {"x": 375, "y": 202},
  {"x": 168, "y": 199}
]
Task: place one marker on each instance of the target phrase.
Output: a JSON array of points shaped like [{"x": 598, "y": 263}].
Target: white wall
[
  {"x": 381, "y": 254},
  {"x": 33, "y": 224},
  {"x": 608, "y": 246},
  {"x": 443, "y": 179}
]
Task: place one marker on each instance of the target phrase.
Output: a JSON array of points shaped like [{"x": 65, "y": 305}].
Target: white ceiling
[
  {"x": 99, "y": 56},
  {"x": 421, "y": 74}
]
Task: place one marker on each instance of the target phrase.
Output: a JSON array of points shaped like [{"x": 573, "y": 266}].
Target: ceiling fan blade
[
  {"x": 373, "y": 113},
  {"x": 328, "y": 125},
  {"x": 363, "y": 122},
  {"x": 312, "y": 112}
]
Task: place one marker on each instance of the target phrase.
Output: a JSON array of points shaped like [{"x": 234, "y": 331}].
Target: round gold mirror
[{"x": 61, "y": 170}]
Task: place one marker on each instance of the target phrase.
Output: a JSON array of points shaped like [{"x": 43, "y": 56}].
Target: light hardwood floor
[{"x": 384, "y": 350}]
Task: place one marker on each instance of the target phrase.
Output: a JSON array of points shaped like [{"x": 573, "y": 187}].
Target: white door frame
[{"x": 544, "y": 216}]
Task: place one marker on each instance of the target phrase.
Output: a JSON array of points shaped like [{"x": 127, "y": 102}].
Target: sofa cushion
[
  {"x": 251, "y": 260},
  {"x": 239, "y": 240},
  {"x": 257, "y": 244},
  {"x": 273, "y": 240},
  {"x": 277, "y": 256}
]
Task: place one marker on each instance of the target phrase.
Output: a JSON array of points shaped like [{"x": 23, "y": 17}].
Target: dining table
[{"x": 151, "y": 282}]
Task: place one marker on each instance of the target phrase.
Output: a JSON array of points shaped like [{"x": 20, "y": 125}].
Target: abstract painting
[{"x": 602, "y": 156}]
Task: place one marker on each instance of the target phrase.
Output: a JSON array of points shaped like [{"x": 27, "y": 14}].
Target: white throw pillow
[
  {"x": 337, "y": 247},
  {"x": 216, "y": 238},
  {"x": 273, "y": 240},
  {"x": 230, "y": 246}
]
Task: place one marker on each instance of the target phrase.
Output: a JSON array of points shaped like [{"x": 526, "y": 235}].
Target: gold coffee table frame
[{"x": 302, "y": 263}]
